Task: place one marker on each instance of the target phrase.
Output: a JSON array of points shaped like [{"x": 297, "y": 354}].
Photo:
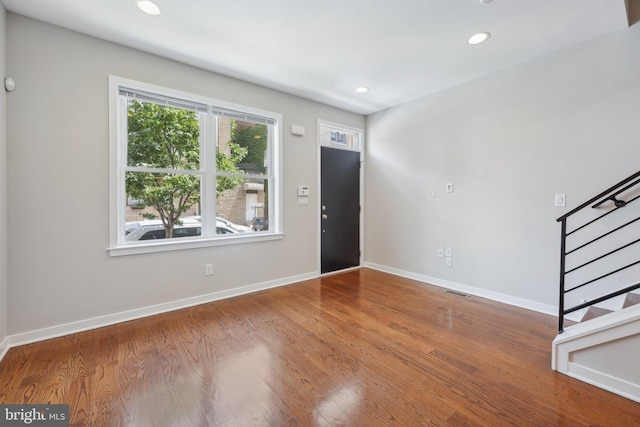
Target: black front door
[{"x": 340, "y": 209}]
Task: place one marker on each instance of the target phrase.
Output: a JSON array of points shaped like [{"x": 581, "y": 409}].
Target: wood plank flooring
[{"x": 363, "y": 348}]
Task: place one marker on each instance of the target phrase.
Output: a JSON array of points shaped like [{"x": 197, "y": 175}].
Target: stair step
[
  {"x": 631, "y": 299},
  {"x": 594, "y": 312}
]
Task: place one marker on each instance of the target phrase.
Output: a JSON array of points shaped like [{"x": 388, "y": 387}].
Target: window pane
[
  {"x": 154, "y": 230},
  {"x": 330, "y": 136},
  {"x": 158, "y": 203},
  {"x": 165, "y": 186},
  {"x": 242, "y": 147},
  {"x": 244, "y": 204},
  {"x": 162, "y": 137}
]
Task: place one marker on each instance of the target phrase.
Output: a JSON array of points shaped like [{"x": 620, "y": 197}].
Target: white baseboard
[
  {"x": 4, "y": 347},
  {"x": 495, "y": 296},
  {"x": 125, "y": 316},
  {"x": 604, "y": 381}
]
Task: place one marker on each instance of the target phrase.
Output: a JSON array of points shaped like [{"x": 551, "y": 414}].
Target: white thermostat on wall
[{"x": 303, "y": 190}]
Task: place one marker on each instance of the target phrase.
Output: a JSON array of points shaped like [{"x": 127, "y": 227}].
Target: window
[
  {"x": 189, "y": 171},
  {"x": 338, "y": 136}
]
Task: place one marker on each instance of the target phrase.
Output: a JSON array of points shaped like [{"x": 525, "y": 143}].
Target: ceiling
[{"x": 324, "y": 49}]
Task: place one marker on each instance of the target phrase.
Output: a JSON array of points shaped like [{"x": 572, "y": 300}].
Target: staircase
[
  {"x": 600, "y": 291},
  {"x": 595, "y": 311}
]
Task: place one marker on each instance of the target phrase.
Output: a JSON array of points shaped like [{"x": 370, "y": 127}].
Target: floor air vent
[{"x": 460, "y": 294}]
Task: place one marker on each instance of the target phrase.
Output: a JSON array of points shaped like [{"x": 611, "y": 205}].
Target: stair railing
[{"x": 607, "y": 199}]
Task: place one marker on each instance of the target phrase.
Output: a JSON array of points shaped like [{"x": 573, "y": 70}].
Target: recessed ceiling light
[
  {"x": 478, "y": 38},
  {"x": 362, "y": 89},
  {"x": 149, "y": 7}
]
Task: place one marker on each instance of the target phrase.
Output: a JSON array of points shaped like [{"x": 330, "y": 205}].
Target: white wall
[
  {"x": 3, "y": 183},
  {"x": 58, "y": 184},
  {"x": 565, "y": 123}
]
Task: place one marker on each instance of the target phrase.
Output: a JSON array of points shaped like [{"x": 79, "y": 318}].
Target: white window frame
[{"x": 215, "y": 108}]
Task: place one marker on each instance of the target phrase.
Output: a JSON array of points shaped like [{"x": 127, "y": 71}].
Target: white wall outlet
[
  {"x": 440, "y": 252},
  {"x": 303, "y": 201},
  {"x": 561, "y": 200},
  {"x": 208, "y": 269},
  {"x": 448, "y": 251},
  {"x": 449, "y": 187},
  {"x": 447, "y": 261}
]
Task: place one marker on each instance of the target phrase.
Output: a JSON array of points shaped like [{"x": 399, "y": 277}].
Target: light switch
[
  {"x": 303, "y": 190},
  {"x": 561, "y": 200}
]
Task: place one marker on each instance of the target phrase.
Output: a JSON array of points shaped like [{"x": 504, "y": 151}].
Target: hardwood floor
[{"x": 362, "y": 348}]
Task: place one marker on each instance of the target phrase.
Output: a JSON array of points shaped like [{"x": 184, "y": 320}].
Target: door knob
[{"x": 324, "y": 216}]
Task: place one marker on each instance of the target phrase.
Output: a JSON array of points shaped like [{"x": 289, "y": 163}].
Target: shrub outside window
[{"x": 188, "y": 171}]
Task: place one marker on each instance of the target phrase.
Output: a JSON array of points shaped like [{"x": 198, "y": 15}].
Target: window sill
[{"x": 183, "y": 243}]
